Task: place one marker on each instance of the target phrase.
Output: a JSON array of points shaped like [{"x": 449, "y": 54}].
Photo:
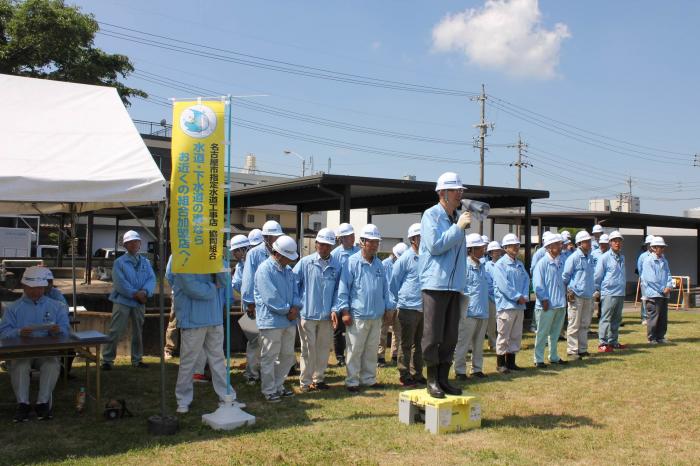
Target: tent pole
[
  {"x": 73, "y": 233},
  {"x": 161, "y": 301}
]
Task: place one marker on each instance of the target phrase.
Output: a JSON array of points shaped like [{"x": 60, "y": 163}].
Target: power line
[
  {"x": 601, "y": 145},
  {"x": 269, "y": 129},
  {"x": 308, "y": 118},
  {"x": 503, "y": 101},
  {"x": 269, "y": 64}
]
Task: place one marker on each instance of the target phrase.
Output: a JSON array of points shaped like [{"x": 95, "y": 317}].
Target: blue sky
[{"x": 613, "y": 86}]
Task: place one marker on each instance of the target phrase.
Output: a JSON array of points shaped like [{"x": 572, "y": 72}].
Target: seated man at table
[{"x": 34, "y": 315}]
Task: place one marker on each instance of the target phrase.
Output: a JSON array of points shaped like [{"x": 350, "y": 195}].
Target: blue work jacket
[
  {"x": 25, "y": 313},
  {"x": 405, "y": 282},
  {"x": 511, "y": 282},
  {"x": 129, "y": 275},
  {"x": 317, "y": 286},
  {"x": 442, "y": 260},
  {"x": 275, "y": 293},
  {"x": 610, "y": 276},
  {"x": 579, "y": 273},
  {"x": 363, "y": 289},
  {"x": 548, "y": 283}
]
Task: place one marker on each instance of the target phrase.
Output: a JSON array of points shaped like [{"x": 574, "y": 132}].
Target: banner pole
[{"x": 227, "y": 255}]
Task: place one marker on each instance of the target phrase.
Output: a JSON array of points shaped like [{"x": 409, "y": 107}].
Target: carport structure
[{"x": 380, "y": 196}]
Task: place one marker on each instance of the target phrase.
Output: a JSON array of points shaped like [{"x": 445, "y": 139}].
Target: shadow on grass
[
  {"x": 542, "y": 422},
  {"x": 74, "y": 436},
  {"x": 681, "y": 340}
]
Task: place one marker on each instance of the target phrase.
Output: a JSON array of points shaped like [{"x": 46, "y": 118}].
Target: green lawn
[{"x": 639, "y": 406}]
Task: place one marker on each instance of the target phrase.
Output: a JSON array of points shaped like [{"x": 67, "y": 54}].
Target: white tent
[
  {"x": 68, "y": 147},
  {"x": 64, "y": 143}
]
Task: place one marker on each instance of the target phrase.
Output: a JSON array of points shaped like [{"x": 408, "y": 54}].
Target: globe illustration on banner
[{"x": 198, "y": 121}]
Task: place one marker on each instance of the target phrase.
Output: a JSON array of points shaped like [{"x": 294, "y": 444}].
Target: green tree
[{"x": 47, "y": 39}]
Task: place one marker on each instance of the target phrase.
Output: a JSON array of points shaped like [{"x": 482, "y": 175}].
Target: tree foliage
[{"x": 48, "y": 39}]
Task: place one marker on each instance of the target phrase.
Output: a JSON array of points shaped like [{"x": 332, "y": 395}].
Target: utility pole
[
  {"x": 520, "y": 164},
  {"x": 483, "y": 126}
]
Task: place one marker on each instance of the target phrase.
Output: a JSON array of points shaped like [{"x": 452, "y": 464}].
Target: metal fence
[{"x": 154, "y": 128}]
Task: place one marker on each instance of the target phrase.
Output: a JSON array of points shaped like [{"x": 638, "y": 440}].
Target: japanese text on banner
[{"x": 196, "y": 187}]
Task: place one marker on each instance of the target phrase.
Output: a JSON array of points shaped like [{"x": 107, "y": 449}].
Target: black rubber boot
[
  {"x": 433, "y": 387},
  {"x": 510, "y": 361},
  {"x": 444, "y": 381},
  {"x": 501, "y": 365}
]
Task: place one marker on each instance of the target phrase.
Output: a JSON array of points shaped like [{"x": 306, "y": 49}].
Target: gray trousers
[
  {"x": 392, "y": 323},
  {"x": 491, "y": 329},
  {"x": 657, "y": 318},
  {"x": 471, "y": 337},
  {"x": 172, "y": 343},
  {"x": 610, "y": 319},
  {"x": 510, "y": 330},
  {"x": 410, "y": 358},
  {"x": 362, "y": 339},
  {"x": 580, "y": 315},
  {"x": 276, "y": 357},
  {"x": 20, "y": 375},
  {"x": 121, "y": 315},
  {"x": 316, "y": 338},
  {"x": 441, "y": 314},
  {"x": 201, "y": 345}
]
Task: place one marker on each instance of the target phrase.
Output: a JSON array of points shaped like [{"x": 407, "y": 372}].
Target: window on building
[
  {"x": 317, "y": 226},
  {"x": 274, "y": 217},
  {"x": 251, "y": 218}
]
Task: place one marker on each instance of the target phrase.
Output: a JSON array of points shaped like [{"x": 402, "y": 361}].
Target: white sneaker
[
  {"x": 644, "y": 322},
  {"x": 182, "y": 409}
]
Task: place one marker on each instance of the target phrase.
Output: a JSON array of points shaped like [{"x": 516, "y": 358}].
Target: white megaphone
[{"x": 479, "y": 210}]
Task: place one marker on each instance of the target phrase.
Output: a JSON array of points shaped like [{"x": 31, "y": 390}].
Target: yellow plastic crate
[{"x": 440, "y": 415}]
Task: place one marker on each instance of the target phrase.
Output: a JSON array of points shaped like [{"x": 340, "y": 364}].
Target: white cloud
[{"x": 505, "y": 35}]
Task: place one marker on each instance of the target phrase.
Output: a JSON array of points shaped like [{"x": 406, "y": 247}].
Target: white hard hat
[
  {"x": 131, "y": 235},
  {"x": 565, "y": 241},
  {"x": 286, "y": 246},
  {"x": 494, "y": 246},
  {"x": 239, "y": 241},
  {"x": 448, "y": 180},
  {"x": 582, "y": 236},
  {"x": 510, "y": 239},
  {"x": 474, "y": 240},
  {"x": 553, "y": 238},
  {"x": 648, "y": 239},
  {"x": 255, "y": 237},
  {"x": 414, "y": 230},
  {"x": 546, "y": 235},
  {"x": 566, "y": 234},
  {"x": 370, "y": 231},
  {"x": 597, "y": 229},
  {"x": 325, "y": 236},
  {"x": 615, "y": 235},
  {"x": 344, "y": 229},
  {"x": 34, "y": 277},
  {"x": 658, "y": 241},
  {"x": 272, "y": 228},
  {"x": 604, "y": 239},
  {"x": 485, "y": 239},
  {"x": 48, "y": 275},
  {"x": 399, "y": 249}
]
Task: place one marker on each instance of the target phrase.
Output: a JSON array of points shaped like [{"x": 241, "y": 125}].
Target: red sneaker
[
  {"x": 605, "y": 349},
  {"x": 201, "y": 378}
]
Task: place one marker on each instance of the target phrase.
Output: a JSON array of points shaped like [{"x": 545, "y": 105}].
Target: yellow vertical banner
[{"x": 197, "y": 218}]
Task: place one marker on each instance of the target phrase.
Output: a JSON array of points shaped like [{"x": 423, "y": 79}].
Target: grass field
[{"x": 639, "y": 406}]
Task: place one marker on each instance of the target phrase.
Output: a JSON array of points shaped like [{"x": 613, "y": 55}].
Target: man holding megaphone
[{"x": 442, "y": 264}]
